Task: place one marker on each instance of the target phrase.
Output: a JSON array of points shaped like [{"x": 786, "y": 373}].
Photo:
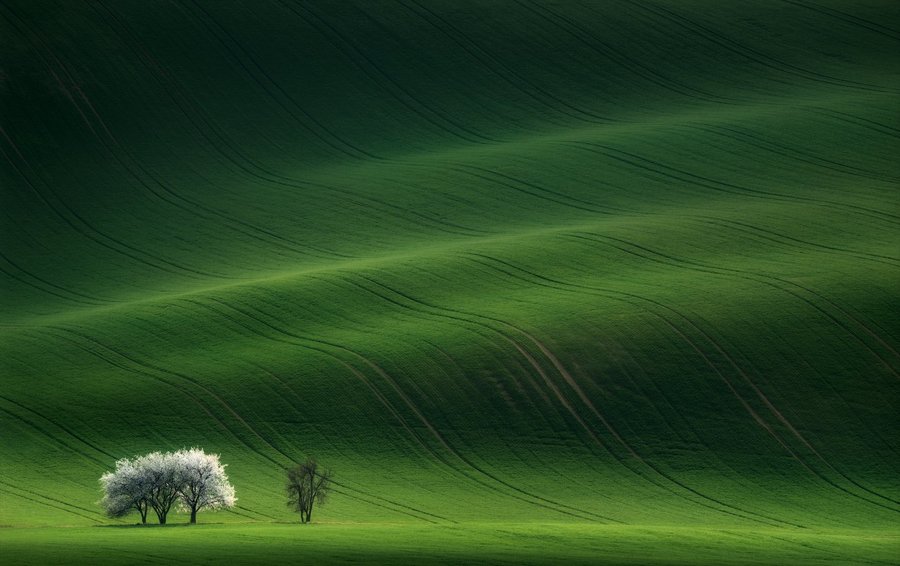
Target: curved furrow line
[
  {"x": 564, "y": 401},
  {"x": 165, "y": 193},
  {"x": 750, "y": 276},
  {"x": 442, "y": 312},
  {"x": 54, "y": 438},
  {"x": 845, "y": 558},
  {"x": 301, "y": 341},
  {"x": 778, "y": 415},
  {"x": 653, "y": 168},
  {"x": 781, "y": 150},
  {"x": 883, "y": 129},
  {"x": 756, "y": 417},
  {"x": 320, "y": 130},
  {"x": 231, "y": 511},
  {"x": 65, "y": 429},
  {"x": 80, "y": 226},
  {"x": 184, "y": 377},
  {"x": 40, "y": 286},
  {"x": 60, "y": 505},
  {"x": 765, "y": 279},
  {"x": 255, "y": 171},
  {"x": 524, "y": 190},
  {"x": 151, "y": 373},
  {"x": 494, "y": 347},
  {"x": 195, "y": 114},
  {"x": 561, "y": 287},
  {"x": 247, "y": 166},
  {"x": 387, "y": 404},
  {"x": 837, "y": 322},
  {"x": 874, "y": 432},
  {"x": 77, "y": 296},
  {"x": 573, "y": 385},
  {"x": 621, "y": 59},
  {"x": 537, "y": 500},
  {"x": 248, "y": 510},
  {"x": 849, "y": 18},
  {"x": 529, "y": 497},
  {"x": 156, "y": 373},
  {"x": 295, "y": 405},
  {"x": 130, "y": 163},
  {"x": 797, "y": 243},
  {"x": 722, "y": 186},
  {"x": 535, "y": 457},
  {"x": 621, "y": 296},
  {"x": 660, "y": 393},
  {"x": 384, "y": 402},
  {"x": 492, "y": 64},
  {"x": 580, "y": 204},
  {"x": 42, "y": 497},
  {"x": 395, "y": 386},
  {"x": 86, "y": 228},
  {"x": 477, "y": 137},
  {"x": 834, "y": 319},
  {"x": 753, "y": 54},
  {"x": 362, "y": 498},
  {"x": 401, "y": 212},
  {"x": 382, "y": 79},
  {"x": 796, "y": 433},
  {"x": 29, "y": 34}
]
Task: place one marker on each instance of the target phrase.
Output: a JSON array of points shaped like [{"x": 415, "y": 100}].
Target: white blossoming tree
[
  {"x": 124, "y": 490},
  {"x": 159, "y": 480},
  {"x": 162, "y": 478},
  {"x": 202, "y": 483}
]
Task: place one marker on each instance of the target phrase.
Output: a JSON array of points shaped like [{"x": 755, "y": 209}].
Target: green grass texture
[{"x": 608, "y": 271}]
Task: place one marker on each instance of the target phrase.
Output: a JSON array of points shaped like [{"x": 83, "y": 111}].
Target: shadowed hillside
[{"x": 620, "y": 262}]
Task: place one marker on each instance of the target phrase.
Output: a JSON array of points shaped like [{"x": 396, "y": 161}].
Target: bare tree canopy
[{"x": 307, "y": 484}]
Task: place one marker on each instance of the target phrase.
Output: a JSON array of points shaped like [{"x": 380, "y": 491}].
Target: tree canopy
[
  {"x": 158, "y": 480},
  {"x": 307, "y": 484}
]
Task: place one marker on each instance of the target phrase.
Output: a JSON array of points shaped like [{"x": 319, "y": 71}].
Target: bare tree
[
  {"x": 201, "y": 481},
  {"x": 307, "y": 484}
]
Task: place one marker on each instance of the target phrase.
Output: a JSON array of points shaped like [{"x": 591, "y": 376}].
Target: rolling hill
[{"x": 630, "y": 263}]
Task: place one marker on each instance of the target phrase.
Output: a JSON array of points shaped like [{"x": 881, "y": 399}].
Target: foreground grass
[{"x": 512, "y": 543}]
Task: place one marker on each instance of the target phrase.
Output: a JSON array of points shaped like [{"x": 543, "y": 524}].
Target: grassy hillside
[{"x": 627, "y": 263}]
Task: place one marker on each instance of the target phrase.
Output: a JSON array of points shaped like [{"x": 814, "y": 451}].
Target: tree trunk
[{"x": 193, "y": 515}]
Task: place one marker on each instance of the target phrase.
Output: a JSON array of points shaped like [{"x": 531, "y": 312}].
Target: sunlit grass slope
[{"x": 624, "y": 262}]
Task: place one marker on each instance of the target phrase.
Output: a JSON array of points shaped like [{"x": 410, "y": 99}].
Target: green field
[{"x": 581, "y": 281}]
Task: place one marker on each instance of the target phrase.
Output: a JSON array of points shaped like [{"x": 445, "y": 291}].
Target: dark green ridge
[{"x": 621, "y": 262}]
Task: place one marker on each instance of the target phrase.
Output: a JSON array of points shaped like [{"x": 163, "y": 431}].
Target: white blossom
[{"x": 159, "y": 480}]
